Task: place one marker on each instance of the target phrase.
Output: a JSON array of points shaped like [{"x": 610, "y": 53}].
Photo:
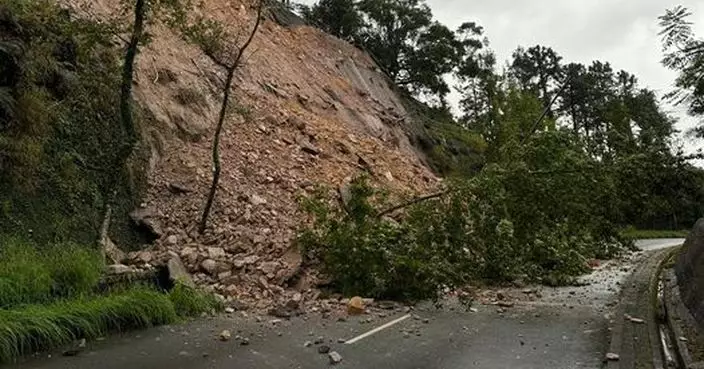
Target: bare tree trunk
[
  {"x": 231, "y": 69},
  {"x": 126, "y": 87},
  {"x": 216, "y": 150}
]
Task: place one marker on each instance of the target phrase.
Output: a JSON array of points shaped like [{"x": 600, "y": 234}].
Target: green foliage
[
  {"x": 60, "y": 133},
  {"x": 29, "y": 275},
  {"x": 646, "y": 234},
  {"x": 190, "y": 302},
  {"x": 684, "y": 53},
  {"x": 336, "y": 17},
  {"x": 30, "y": 328},
  {"x": 510, "y": 221}
]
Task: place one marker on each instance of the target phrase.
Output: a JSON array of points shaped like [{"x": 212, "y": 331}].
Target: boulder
[
  {"x": 178, "y": 272},
  {"x": 145, "y": 219},
  {"x": 690, "y": 272}
]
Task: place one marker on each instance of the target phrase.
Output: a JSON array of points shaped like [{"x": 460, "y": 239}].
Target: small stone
[
  {"x": 355, "y": 306},
  {"x": 118, "y": 269},
  {"x": 225, "y": 335},
  {"x": 307, "y": 344},
  {"x": 335, "y": 358},
  {"x": 216, "y": 253},
  {"x": 683, "y": 339},
  {"x": 323, "y": 349},
  {"x": 172, "y": 240},
  {"x": 612, "y": 357},
  {"x": 257, "y": 200},
  {"x": 244, "y": 342},
  {"x": 426, "y": 321},
  {"x": 209, "y": 266},
  {"x": 319, "y": 340},
  {"x": 341, "y": 340},
  {"x": 229, "y": 310}
]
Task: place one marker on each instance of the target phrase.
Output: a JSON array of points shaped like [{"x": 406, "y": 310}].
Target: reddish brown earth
[{"x": 316, "y": 111}]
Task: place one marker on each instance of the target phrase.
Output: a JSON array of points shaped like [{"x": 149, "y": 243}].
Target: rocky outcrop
[{"x": 690, "y": 272}]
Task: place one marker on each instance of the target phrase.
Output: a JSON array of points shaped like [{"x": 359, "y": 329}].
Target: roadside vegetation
[
  {"x": 642, "y": 234},
  {"x": 550, "y": 163},
  {"x": 53, "y": 295},
  {"x": 64, "y": 160}
]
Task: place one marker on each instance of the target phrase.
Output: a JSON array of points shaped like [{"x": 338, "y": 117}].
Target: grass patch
[
  {"x": 636, "y": 234},
  {"x": 49, "y": 297},
  {"x": 31, "y": 275},
  {"x": 31, "y": 328},
  {"x": 189, "y": 301}
]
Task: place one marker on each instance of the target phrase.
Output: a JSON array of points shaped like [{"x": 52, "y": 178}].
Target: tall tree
[
  {"x": 478, "y": 82},
  {"x": 338, "y": 17},
  {"x": 684, "y": 53},
  {"x": 538, "y": 69},
  {"x": 415, "y": 51}
]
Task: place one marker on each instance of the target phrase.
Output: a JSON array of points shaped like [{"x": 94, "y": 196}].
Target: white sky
[{"x": 622, "y": 32}]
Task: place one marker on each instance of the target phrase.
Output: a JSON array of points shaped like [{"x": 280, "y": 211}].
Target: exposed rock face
[{"x": 690, "y": 272}]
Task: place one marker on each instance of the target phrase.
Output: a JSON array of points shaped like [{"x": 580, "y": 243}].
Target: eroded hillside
[{"x": 310, "y": 109}]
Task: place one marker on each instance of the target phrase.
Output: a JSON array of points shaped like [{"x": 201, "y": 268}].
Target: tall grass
[
  {"x": 190, "y": 302},
  {"x": 35, "y": 327},
  {"x": 49, "y": 297},
  {"x": 30, "y": 275}
]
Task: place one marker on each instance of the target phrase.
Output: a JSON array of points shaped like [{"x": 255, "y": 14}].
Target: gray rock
[
  {"x": 209, "y": 266},
  {"x": 225, "y": 335},
  {"x": 269, "y": 267},
  {"x": 612, "y": 357},
  {"x": 145, "y": 218},
  {"x": 216, "y": 253},
  {"x": 118, "y": 269},
  {"x": 178, "y": 273},
  {"x": 257, "y": 200},
  {"x": 335, "y": 358},
  {"x": 324, "y": 349}
]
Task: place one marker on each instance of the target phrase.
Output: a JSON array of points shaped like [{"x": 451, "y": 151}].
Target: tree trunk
[
  {"x": 126, "y": 88},
  {"x": 216, "y": 149}
]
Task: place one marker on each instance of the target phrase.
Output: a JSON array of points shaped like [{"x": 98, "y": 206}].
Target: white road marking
[{"x": 377, "y": 329}]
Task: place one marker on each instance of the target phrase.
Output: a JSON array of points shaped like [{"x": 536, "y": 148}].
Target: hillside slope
[{"x": 312, "y": 110}]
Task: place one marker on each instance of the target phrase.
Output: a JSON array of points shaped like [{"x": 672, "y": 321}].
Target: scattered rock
[
  {"x": 280, "y": 312},
  {"x": 323, "y": 349},
  {"x": 172, "y": 240},
  {"x": 307, "y": 146},
  {"x": 355, "y": 306},
  {"x": 505, "y": 304},
  {"x": 612, "y": 357},
  {"x": 244, "y": 341},
  {"x": 229, "y": 310},
  {"x": 335, "y": 358},
  {"x": 145, "y": 218},
  {"x": 634, "y": 320},
  {"x": 216, "y": 253},
  {"x": 295, "y": 302},
  {"x": 209, "y": 266},
  {"x": 319, "y": 340},
  {"x": 257, "y": 200},
  {"x": 225, "y": 335},
  {"x": 269, "y": 267},
  {"x": 307, "y": 344},
  {"x": 179, "y": 188}
]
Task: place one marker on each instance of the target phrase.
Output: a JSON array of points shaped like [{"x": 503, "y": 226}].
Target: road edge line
[{"x": 377, "y": 329}]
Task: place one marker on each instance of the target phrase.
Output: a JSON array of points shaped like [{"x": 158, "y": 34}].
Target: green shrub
[
  {"x": 190, "y": 302},
  {"x": 534, "y": 216}
]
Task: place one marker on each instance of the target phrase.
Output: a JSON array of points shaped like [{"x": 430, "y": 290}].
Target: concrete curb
[{"x": 638, "y": 344}]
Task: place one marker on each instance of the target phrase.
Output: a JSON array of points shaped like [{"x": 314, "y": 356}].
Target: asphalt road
[{"x": 545, "y": 328}]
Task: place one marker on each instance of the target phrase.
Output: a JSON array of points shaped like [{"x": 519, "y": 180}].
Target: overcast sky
[{"x": 622, "y": 32}]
